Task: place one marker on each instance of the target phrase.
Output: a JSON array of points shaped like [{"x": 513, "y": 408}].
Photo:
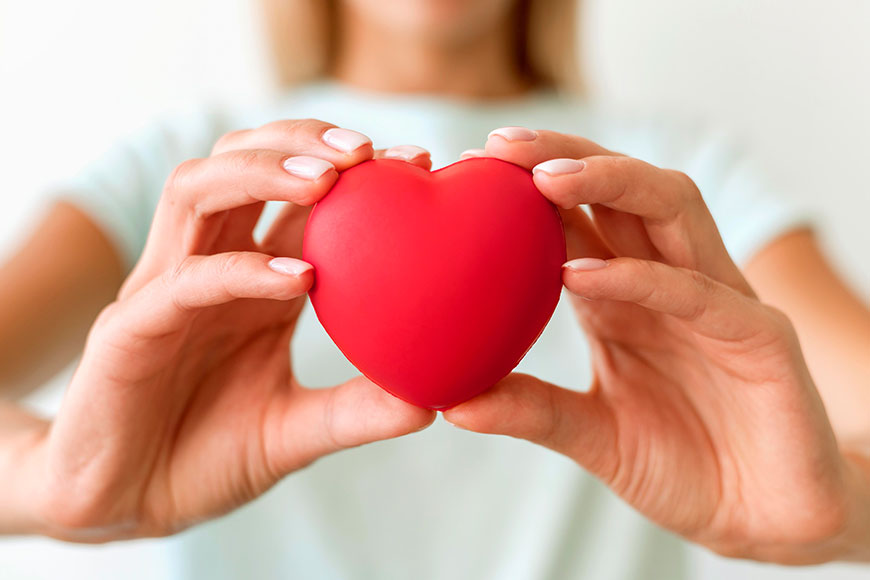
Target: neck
[{"x": 480, "y": 67}]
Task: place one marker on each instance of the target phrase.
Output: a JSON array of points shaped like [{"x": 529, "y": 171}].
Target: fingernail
[
  {"x": 514, "y": 134},
  {"x": 289, "y": 266},
  {"x": 405, "y": 152},
  {"x": 306, "y": 167},
  {"x": 585, "y": 264},
  {"x": 560, "y": 166},
  {"x": 345, "y": 140},
  {"x": 469, "y": 153}
]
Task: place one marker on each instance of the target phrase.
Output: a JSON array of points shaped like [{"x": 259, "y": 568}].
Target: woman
[{"x": 704, "y": 414}]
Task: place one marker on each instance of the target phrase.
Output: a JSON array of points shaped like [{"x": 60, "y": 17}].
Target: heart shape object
[{"x": 435, "y": 285}]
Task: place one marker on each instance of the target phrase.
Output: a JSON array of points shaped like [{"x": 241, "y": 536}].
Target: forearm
[
  {"x": 833, "y": 324},
  {"x": 21, "y": 444},
  {"x": 50, "y": 292}
]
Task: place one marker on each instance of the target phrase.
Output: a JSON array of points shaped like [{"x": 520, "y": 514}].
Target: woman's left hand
[{"x": 702, "y": 413}]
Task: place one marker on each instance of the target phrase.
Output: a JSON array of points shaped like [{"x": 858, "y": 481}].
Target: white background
[{"x": 791, "y": 78}]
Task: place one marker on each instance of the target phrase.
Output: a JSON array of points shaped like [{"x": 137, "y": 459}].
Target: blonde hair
[{"x": 301, "y": 33}]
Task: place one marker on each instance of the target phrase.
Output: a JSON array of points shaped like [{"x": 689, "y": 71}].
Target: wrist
[
  {"x": 22, "y": 445},
  {"x": 855, "y": 545}
]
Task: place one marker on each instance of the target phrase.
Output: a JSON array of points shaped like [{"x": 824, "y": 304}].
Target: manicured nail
[
  {"x": 560, "y": 166},
  {"x": 585, "y": 264},
  {"x": 469, "y": 153},
  {"x": 405, "y": 152},
  {"x": 345, "y": 140},
  {"x": 311, "y": 168},
  {"x": 289, "y": 266},
  {"x": 514, "y": 134}
]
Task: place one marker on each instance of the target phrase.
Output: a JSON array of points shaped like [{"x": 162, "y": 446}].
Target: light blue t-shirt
[{"x": 443, "y": 503}]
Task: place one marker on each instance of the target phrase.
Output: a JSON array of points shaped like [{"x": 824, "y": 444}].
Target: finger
[
  {"x": 410, "y": 153},
  {"x": 342, "y": 147},
  {"x": 676, "y": 220},
  {"x": 311, "y": 423},
  {"x": 571, "y": 170},
  {"x": 196, "y": 207},
  {"x": 472, "y": 153},
  {"x": 199, "y": 196},
  {"x": 204, "y": 187},
  {"x": 621, "y": 183},
  {"x": 527, "y": 147},
  {"x": 710, "y": 308},
  {"x": 578, "y": 425},
  {"x": 168, "y": 303}
]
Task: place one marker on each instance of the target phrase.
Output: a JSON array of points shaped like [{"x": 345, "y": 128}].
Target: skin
[
  {"x": 695, "y": 374},
  {"x": 198, "y": 339}
]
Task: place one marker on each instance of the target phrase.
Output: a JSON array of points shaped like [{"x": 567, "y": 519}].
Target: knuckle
[
  {"x": 781, "y": 325},
  {"x": 644, "y": 269},
  {"x": 293, "y": 127},
  {"x": 648, "y": 272},
  {"x": 247, "y": 160},
  {"x": 705, "y": 289},
  {"x": 686, "y": 190},
  {"x": 232, "y": 264},
  {"x": 105, "y": 320},
  {"x": 179, "y": 179},
  {"x": 106, "y": 315},
  {"x": 622, "y": 172},
  {"x": 703, "y": 284},
  {"x": 313, "y": 125},
  {"x": 228, "y": 141},
  {"x": 173, "y": 278}
]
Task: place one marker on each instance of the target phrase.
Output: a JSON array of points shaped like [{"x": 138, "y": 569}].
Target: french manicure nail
[
  {"x": 514, "y": 134},
  {"x": 345, "y": 140},
  {"x": 405, "y": 152},
  {"x": 311, "y": 168},
  {"x": 289, "y": 266},
  {"x": 585, "y": 264},
  {"x": 560, "y": 166},
  {"x": 469, "y": 153}
]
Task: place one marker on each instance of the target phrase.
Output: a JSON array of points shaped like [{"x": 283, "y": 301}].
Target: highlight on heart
[{"x": 442, "y": 290}]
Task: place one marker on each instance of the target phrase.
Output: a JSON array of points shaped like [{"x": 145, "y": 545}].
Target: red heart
[{"x": 435, "y": 285}]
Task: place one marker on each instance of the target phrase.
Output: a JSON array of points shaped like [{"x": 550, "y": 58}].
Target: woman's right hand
[{"x": 184, "y": 405}]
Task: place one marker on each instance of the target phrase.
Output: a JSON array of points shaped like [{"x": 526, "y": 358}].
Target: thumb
[
  {"x": 316, "y": 422},
  {"x": 578, "y": 425}
]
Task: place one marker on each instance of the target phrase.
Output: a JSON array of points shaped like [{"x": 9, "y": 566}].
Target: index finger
[
  {"x": 342, "y": 147},
  {"x": 571, "y": 171},
  {"x": 528, "y": 147}
]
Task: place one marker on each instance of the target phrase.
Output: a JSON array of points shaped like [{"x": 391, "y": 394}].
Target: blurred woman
[{"x": 703, "y": 412}]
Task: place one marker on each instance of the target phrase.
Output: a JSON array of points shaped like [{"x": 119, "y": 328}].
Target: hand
[
  {"x": 184, "y": 405},
  {"x": 702, "y": 414}
]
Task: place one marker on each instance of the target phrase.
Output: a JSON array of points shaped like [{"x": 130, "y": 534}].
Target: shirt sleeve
[{"x": 120, "y": 189}]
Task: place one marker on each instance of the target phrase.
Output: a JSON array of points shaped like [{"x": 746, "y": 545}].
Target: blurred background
[{"x": 791, "y": 79}]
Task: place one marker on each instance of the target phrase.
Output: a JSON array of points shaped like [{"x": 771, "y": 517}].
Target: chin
[{"x": 437, "y": 19}]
